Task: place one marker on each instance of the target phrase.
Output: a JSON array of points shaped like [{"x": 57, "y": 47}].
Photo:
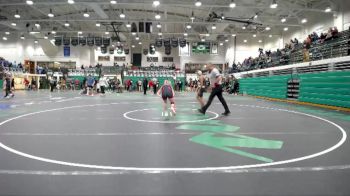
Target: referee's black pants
[{"x": 217, "y": 91}]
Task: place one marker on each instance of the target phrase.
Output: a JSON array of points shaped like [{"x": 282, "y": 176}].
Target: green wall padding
[
  {"x": 272, "y": 86},
  {"x": 1, "y": 83},
  {"x": 326, "y": 88}
]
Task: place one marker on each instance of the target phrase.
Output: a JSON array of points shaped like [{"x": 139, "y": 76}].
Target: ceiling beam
[
  {"x": 153, "y": 21},
  {"x": 184, "y": 5},
  {"x": 97, "y": 9}
]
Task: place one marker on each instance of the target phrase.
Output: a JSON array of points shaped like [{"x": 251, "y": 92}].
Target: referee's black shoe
[
  {"x": 226, "y": 113},
  {"x": 201, "y": 111}
]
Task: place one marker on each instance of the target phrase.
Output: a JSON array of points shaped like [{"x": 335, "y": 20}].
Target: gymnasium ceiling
[{"x": 175, "y": 17}]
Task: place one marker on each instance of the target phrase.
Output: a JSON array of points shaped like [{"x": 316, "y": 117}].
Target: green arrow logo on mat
[{"x": 218, "y": 135}]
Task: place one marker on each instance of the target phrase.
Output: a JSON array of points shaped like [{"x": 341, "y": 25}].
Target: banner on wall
[
  {"x": 66, "y": 41},
  {"x": 90, "y": 41},
  {"x": 167, "y": 50},
  {"x": 182, "y": 42},
  {"x": 106, "y": 41},
  {"x": 214, "y": 48},
  {"x": 174, "y": 42},
  {"x": 201, "y": 47},
  {"x": 66, "y": 51},
  {"x": 58, "y": 41},
  {"x": 82, "y": 41},
  {"x": 185, "y": 51},
  {"x": 167, "y": 42},
  {"x": 111, "y": 50},
  {"x": 74, "y": 41},
  {"x": 98, "y": 41},
  {"x": 159, "y": 43},
  {"x": 103, "y": 50}
]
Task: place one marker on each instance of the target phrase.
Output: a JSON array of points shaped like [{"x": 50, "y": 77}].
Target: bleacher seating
[{"x": 335, "y": 47}]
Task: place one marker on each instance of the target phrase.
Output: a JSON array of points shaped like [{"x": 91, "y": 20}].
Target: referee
[{"x": 215, "y": 83}]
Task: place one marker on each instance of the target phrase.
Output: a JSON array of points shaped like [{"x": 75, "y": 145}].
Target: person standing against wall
[
  {"x": 215, "y": 83},
  {"x": 201, "y": 88},
  {"x": 145, "y": 83}
]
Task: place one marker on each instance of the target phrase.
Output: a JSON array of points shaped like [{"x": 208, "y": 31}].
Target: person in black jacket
[{"x": 145, "y": 83}]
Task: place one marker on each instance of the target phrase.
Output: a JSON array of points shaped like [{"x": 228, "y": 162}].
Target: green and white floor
[{"x": 62, "y": 143}]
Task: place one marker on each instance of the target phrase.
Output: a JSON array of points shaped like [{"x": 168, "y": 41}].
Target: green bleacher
[
  {"x": 328, "y": 88},
  {"x": 271, "y": 86}
]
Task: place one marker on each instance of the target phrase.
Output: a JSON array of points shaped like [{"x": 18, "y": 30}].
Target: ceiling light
[
  {"x": 37, "y": 25},
  {"x": 4, "y": 38},
  {"x": 185, "y": 34},
  {"x": 268, "y": 28},
  {"x": 157, "y": 16},
  {"x": 53, "y": 32},
  {"x": 122, "y": 15},
  {"x": 254, "y": 35},
  {"x": 160, "y": 33},
  {"x": 244, "y": 27},
  {"x": 188, "y": 26},
  {"x": 285, "y": 29},
  {"x": 203, "y": 40},
  {"x": 226, "y": 40},
  {"x": 22, "y": 37},
  {"x": 283, "y": 20},
  {"x": 29, "y": 2},
  {"x": 36, "y": 41},
  {"x": 66, "y": 24},
  {"x": 137, "y": 38},
  {"x": 34, "y": 32},
  {"x": 7, "y": 33},
  {"x": 245, "y": 41},
  {"x": 192, "y": 16},
  {"x": 13, "y": 24},
  {"x": 98, "y": 24},
  {"x": 256, "y": 16},
  {"x": 133, "y": 33},
  {"x": 198, "y": 3},
  {"x": 232, "y": 4},
  {"x": 207, "y": 35},
  {"x": 213, "y": 27},
  {"x": 107, "y": 33},
  {"x": 45, "y": 37},
  {"x": 221, "y": 44},
  {"x": 159, "y": 26},
  {"x": 260, "y": 41},
  {"x": 156, "y": 3},
  {"x": 128, "y": 25},
  {"x": 304, "y": 20},
  {"x": 328, "y": 9},
  {"x": 133, "y": 46},
  {"x": 86, "y": 14},
  {"x": 79, "y": 32},
  {"x": 140, "y": 43},
  {"x": 113, "y": 2},
  {"x": 274, "y": 4},
  {"x": 270, "y": 36},
  {"x": 233, "y": 35},
  {"x": 17, "y": 14},
  {"x": 51, "y": 15},
  {"x": 71, "y": 1}
]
